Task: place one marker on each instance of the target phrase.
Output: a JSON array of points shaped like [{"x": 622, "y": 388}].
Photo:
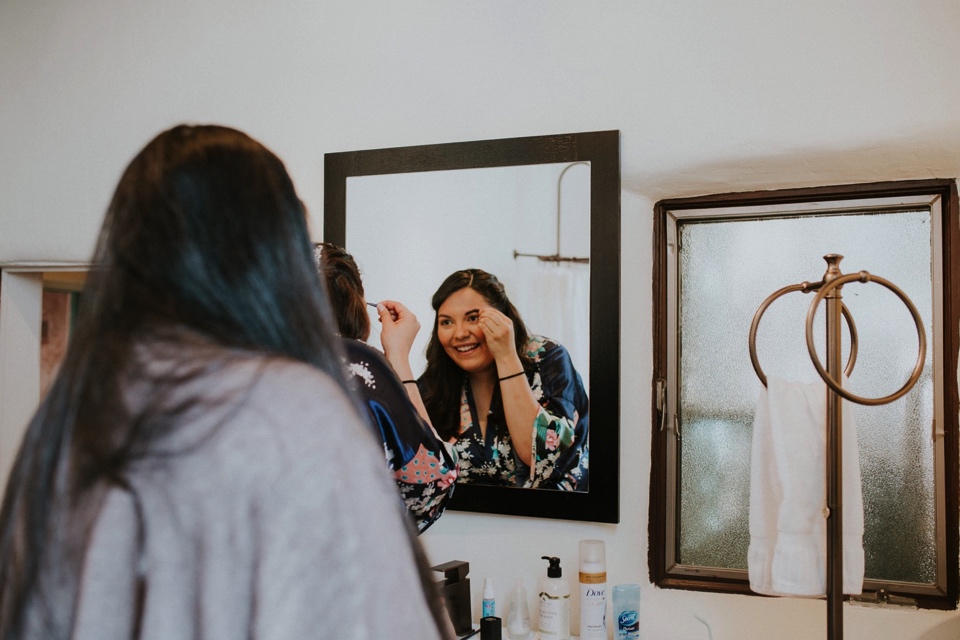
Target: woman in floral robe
[
  {"x": 511, "y": 403},
  {"x": 424, "y": 466}
]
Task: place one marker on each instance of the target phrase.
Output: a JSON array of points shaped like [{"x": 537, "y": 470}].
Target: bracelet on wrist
[
  {"x": 512, "y": 375},
  {"x": 409, "y": 381}
]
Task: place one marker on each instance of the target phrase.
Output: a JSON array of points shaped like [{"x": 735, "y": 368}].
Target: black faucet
[{"x": 455, "y": 591}]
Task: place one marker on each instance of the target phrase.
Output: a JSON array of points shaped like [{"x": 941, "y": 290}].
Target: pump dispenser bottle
[
  {"x": 593, "y": 590},
  {"x": 554, "y": 603}
]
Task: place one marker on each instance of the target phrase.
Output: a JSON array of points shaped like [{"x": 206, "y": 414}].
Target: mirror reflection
[
  {"x": 523, "y": 232},
  {"x": 437, "y": 222},
  {"x": 541, "y": 214}
]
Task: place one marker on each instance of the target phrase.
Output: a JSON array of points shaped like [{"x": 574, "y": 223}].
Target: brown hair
[
  {"x": 341, "y": 277},
  {"x": 204, "y": 232}
]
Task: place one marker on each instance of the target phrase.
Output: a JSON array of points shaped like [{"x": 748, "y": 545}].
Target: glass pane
[{"x": 727, "y": 268}]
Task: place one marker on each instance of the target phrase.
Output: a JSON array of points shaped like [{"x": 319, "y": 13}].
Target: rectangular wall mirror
[{"x": 542, "y": 213}]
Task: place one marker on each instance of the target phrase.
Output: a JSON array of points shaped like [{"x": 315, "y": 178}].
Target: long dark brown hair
[
  {"x": 341, "y": 277},
  {"x": 442, "y": 379},
  {"x": 205, "y": 233}
]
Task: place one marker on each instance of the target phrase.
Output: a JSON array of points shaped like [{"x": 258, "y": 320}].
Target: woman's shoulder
[
  {"x": 365, "y": 362},
  {"x": 359, "y": 351},
  {"x": 289, "y": 419},
  {"x": 538, "y": 347},
  {"x": 265, "y": 403},
  {"x": 243, "y": 389},
  {"x": 245, "y": 421},
  {"x": 290, "y": 390}
]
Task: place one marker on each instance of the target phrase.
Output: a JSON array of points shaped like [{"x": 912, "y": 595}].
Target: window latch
[
  {"x": 882, "y": 596},
  {"x": 937, "y": 430}
]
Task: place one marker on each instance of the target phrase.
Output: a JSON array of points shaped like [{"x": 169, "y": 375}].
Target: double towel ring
[{"x": 824, "y": 288}]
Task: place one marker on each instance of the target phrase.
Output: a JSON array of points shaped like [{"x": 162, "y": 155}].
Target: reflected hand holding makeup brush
[{"x": 393, "y": 313}]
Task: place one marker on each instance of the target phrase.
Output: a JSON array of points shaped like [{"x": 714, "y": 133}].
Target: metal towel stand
[{"x": 829, "y": 288}]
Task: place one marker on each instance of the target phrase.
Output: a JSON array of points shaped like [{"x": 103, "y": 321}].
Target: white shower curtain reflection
[{"x": 554, "y": 301}]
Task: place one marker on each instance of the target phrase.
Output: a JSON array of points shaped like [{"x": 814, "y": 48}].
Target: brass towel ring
[
  {"x": 864, "y": 276},
  {"x": 805, "y": 287}
]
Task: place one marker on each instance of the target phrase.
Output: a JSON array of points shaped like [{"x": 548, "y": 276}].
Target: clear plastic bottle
[
  {"x": 626, "y": 611},
  {"x": 518, "y": 618},
  {"x": 554, "y": 603}
]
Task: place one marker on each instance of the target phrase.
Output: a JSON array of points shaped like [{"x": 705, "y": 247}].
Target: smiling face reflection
[
  {"x": 459, "y": 331},
  {"x": 509, "y": 401}
]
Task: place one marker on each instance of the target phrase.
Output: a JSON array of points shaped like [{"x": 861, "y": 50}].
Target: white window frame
[{"x": 21, "y": 296}]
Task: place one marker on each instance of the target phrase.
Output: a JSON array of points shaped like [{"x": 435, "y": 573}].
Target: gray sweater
[{"x": 270, "y": 518}]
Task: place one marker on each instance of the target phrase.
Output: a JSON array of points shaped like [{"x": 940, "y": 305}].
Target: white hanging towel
[{"x": 788, "y": 543}]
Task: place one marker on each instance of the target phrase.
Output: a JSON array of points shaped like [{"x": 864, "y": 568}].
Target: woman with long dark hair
[
  {"x": 198, "y": 468},
  {"x": 424, "y": 467},
  {"x": 510, "y": 401}
]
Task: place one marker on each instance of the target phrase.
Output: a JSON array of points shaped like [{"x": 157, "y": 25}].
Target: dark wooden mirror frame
[{"x": 602, "y": 150}]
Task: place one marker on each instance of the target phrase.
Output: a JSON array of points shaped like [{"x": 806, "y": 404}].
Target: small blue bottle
[
  {"x": 626, "y": 611},
  {"x": 489, "y": 604}
]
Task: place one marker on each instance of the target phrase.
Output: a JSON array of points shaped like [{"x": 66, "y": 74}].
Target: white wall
[{"x": 709, "y": 96}]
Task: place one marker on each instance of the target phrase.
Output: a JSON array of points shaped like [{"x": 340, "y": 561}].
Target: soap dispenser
[{"x": 554, "y": 603}]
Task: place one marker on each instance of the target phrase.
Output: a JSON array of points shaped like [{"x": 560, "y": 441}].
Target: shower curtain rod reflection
[
  {"x": 557, "y": 257},
  {"x": 829, "y": 289}
]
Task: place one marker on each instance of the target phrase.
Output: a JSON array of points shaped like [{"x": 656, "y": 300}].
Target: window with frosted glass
[
  {"x": 718, "y": 386},
  {"x": 717, "y": 270}
]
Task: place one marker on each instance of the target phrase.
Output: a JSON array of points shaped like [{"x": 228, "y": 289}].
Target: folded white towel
[{"x": 787, "y": 554}]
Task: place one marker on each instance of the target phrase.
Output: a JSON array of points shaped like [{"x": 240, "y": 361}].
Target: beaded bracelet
[{"x": 512, "y": 376}]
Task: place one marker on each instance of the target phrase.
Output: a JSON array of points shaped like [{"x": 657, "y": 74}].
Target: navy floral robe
[
  {"x": 424, "y": 467},
  {"x": 560, "y": 443}
]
